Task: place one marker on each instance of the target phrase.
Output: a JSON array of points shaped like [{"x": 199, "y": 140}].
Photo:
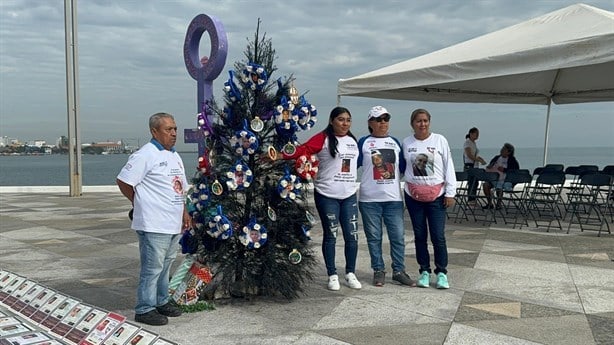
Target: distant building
[
  {"x": 6, "y": 141},
  {"x": 37, "y": 143},
  {"x": 109, "y": 147}
]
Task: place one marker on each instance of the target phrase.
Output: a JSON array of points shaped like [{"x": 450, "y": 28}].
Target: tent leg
[{"x": 547, "y": 133}]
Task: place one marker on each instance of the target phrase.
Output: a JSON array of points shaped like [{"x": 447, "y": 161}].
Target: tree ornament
[
  {"x": 272, "y": 152},
  {"x": 239, "y": 177},
  {"x": 219, "y": 226},
  {"x": 203, "y": 122},
  {"x": 306, "y": 231},
  {"x": 256, "y": 125},
  {"x": 294, "y": 98},
  {"x": 289, "y": 186},
  {"x": 254, "y": 76},
  {"x": 244, "y": 142},
  {"x": 200, "y": 196},
  {"x": 307, "y": 115},
  {"x": 254, "y": 235},
  {"x": 286, "y": 117},
  {"x": 289, "y": 149},
  {"x": 216, "y": 188},
  {"x": 188, "y": 242},
  {"x": 295, "y": 257},
  {"x": 204, "y": 164},
  {"x": 270, "y": 212},
  {"x": 231, "y": 88},
  {"x": 307, "y": 167}
]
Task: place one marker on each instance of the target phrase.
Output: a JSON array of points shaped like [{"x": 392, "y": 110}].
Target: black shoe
[
  {"x": 151, "y": 318},
  {"x": 379, "y": 278},
  {"x": 403, "y": 278},
  {"x": 169, "y": 309}
]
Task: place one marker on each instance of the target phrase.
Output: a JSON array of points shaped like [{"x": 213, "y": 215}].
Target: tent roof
[{"x": 566, "y": 55}]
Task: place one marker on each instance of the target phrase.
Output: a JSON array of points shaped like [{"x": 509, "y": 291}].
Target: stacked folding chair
[
  {"x": 458, "y": 213},
  {"x": 514, "y": 210},
  {"x": 589, "y": 203},
  {"x": 543, "y": 201}
]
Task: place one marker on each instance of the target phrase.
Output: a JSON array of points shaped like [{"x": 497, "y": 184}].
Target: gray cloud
[{"x": 131, "y": 63}]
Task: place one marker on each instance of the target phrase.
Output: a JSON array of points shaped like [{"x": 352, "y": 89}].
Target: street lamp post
[{"x": 72, "y": 97}]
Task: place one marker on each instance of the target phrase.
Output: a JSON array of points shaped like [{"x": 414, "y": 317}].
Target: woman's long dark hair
[
  {"x": 472, "y": 130},
  {"x": 330, "y": 133}
]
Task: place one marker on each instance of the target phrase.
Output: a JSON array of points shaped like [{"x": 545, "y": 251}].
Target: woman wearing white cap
[{"x": 380, "y": 198}]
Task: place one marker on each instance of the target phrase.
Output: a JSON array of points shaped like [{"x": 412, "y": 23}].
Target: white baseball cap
[{"x": 377, "y": 111}]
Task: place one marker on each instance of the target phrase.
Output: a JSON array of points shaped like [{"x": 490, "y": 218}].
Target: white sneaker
[
  {"x": 333, "y": 282},
  {"x": 352, "y": 281}
]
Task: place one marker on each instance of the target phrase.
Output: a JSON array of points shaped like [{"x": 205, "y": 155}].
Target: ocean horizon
[{"x": 101, "y": 170}]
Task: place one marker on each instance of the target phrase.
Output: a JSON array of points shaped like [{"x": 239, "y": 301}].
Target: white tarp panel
[{"x": 566, "y": 56}]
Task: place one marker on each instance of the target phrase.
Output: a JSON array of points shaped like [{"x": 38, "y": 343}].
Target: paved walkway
[{"x": 507, "y": 286}]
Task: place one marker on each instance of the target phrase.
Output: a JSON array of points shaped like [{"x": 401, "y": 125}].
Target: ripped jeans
[{"x": 335, "y": 213}]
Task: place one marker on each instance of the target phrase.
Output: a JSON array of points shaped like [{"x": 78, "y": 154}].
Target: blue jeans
[
  {"x": 334, "y": 213},
  {"x": 435, "y": 214},
  {"x": 391, "y": 214},
  {"x": 158, "y": 251}
]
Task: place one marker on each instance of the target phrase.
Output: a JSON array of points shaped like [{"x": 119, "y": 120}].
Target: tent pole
[
  {"x": 547, "y": 132},
  {"x": 338, "y": 100}
]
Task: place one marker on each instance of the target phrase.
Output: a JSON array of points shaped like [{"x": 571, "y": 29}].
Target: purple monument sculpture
[{"x": 204, "y": 69}]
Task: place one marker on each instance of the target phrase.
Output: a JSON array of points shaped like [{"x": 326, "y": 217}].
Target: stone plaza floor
[{"x": 508, "y": 286}]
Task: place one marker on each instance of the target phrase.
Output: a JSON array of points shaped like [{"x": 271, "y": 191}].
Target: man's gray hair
[{"x": 154, "y": 120}]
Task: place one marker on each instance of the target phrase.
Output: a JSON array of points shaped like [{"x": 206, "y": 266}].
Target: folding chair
[
  {"x": 480, "y": 211},
  {"x": 459, "y": 211},
  {"x": 472, "y": 206},
  {"x": 609, "y": 170},
  {"x": 575, "y": 173},
  {"x": 513, "y": 200},
  {"x": 544, "y": 199},
  {"x": 547, "y": 168},
  {"x": 589, "y": 203}
]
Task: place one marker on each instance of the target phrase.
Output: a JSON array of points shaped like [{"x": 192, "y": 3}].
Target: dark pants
[{"x": 472, "y": 183}]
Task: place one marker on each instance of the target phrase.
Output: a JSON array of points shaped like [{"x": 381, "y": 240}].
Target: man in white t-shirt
[{"x": 154, "y": 181}]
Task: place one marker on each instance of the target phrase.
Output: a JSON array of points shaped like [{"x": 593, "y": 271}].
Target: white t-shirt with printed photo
[
  {"x": 158, "y": 178},
  {"x": 380, "y": 179}
]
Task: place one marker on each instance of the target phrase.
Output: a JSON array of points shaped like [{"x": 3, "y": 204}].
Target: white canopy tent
[{"x": 566, "y": 56}]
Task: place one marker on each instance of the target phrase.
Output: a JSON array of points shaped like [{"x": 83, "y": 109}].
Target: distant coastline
[{"x": 101, "y": 170}]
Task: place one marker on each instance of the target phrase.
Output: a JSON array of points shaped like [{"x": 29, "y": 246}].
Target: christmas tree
[{"x": 251, "y": 212}]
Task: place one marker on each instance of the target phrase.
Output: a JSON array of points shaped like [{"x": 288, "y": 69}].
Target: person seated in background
[{"x": 502, "y": 163}]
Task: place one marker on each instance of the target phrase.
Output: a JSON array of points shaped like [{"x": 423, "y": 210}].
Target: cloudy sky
[{"x": 131, "y": 64}]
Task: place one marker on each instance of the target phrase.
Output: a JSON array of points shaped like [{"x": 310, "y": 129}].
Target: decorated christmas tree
[{"x": 252, "y": 214}]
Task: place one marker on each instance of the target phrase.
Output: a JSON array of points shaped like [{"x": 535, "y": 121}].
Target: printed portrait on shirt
[
  {"x": 383, "y": 164},
  {"x": 422, "y": 165},
  {"x": 177, "y": 185},
  {"x": 345, "y": 165}
]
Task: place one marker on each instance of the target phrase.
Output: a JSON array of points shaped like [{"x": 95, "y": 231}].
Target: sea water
[{"x": 101, "y": 170}]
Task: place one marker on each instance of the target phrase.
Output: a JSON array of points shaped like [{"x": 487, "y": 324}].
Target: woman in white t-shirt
[
  {"x": 427, "y": 197},
  {"x": 335, "y": 191},
  {"x": 471, "y": 159}
]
